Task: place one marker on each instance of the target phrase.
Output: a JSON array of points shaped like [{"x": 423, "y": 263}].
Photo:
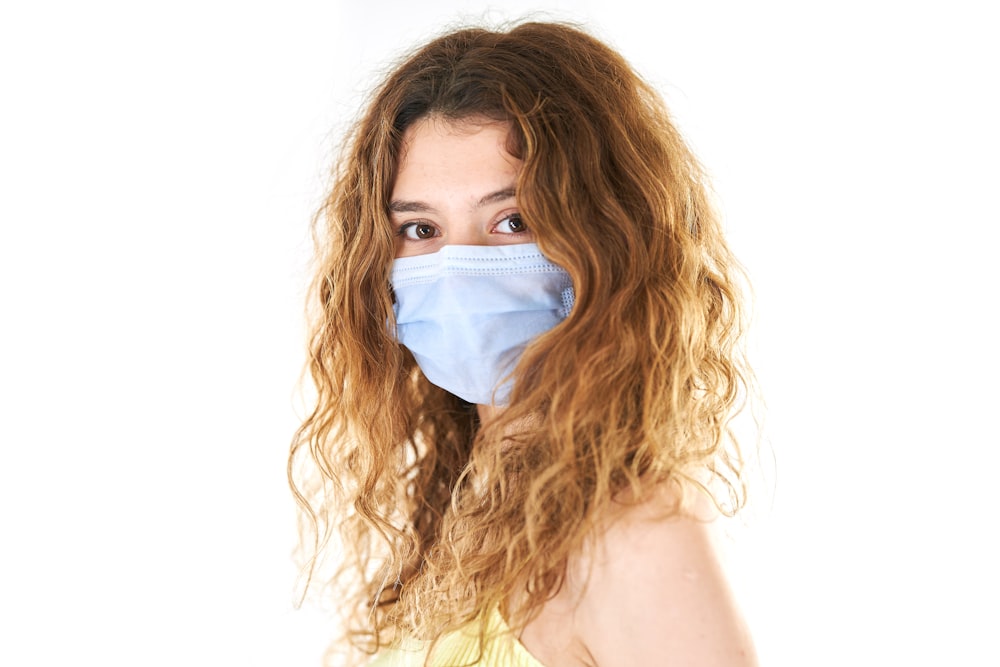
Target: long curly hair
[{"x": 440, "y": 517}]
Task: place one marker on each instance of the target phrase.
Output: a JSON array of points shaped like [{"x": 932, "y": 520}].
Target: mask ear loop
[{"x": 390, "y": 321}]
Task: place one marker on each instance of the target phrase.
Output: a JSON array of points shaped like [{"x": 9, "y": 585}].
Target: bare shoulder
[{"x": 656, "y": 592}]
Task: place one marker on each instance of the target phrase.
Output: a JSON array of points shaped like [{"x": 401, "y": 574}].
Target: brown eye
[
  {"x": 512, "y": 224},
  {"x": 417, "y": 231}
]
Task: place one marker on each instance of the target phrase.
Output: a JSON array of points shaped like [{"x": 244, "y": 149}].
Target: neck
[{"x": 488, "y": 413}]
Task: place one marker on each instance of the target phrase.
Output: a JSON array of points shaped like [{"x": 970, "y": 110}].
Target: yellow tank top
[{"x": 462, "y": 648}]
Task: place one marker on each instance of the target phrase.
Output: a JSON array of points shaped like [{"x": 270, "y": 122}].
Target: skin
[
  {"x": 455, "y": 186},
  {"x": 649, "y": 589}
]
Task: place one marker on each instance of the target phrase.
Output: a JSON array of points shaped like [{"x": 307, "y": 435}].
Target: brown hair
[{"x": 440, "y": 517}]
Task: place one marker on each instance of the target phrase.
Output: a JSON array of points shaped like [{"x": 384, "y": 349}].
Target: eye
[
  {"x": 511, "y": 224},
  {"x": 417, "y": 231}
]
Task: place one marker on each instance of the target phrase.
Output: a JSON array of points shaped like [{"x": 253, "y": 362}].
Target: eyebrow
[{"x": 401, "y": 206}]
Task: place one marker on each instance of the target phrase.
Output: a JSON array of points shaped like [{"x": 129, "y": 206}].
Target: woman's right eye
[{"x": 417, "y": 231}]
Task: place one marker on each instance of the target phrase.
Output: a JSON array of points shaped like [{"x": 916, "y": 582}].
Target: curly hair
[{"x": 440, "y": 516}]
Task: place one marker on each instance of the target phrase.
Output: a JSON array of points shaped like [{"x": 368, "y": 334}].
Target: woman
[{"x": 525, "y": 356}]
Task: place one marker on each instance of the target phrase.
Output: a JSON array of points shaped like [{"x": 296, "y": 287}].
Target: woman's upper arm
[{"x": 657, "y": 595}]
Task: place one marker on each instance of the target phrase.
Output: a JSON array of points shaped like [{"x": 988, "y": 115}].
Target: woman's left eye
[{"x": 512, "y": 224}]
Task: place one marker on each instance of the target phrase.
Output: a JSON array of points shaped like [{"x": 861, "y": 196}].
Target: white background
[{"x": 159, "y": 163}]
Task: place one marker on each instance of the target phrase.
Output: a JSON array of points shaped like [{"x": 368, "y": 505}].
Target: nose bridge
[
  {"x": 465, "y": 228},
  {"x": 464, "y": 236}
]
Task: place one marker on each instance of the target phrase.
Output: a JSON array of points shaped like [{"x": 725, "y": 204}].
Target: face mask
[{"x": 467, "y": 313}]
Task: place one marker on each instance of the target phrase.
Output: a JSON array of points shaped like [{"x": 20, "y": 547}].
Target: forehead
[{"x": 438, "y": 151}]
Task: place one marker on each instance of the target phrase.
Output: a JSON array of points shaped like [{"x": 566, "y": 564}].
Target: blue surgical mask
[{"x": 467, "y": 313}]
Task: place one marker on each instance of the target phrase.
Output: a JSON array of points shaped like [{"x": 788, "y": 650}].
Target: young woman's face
[{"x": 455, "y": 186}]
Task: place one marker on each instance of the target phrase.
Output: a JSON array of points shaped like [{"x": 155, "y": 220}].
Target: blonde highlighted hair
[{"x": 440, "y": 517}]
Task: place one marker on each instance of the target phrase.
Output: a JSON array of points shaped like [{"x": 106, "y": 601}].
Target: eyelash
[
  {"x": 513, "y": 216},
  {"x": 404, "y": 229}
]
